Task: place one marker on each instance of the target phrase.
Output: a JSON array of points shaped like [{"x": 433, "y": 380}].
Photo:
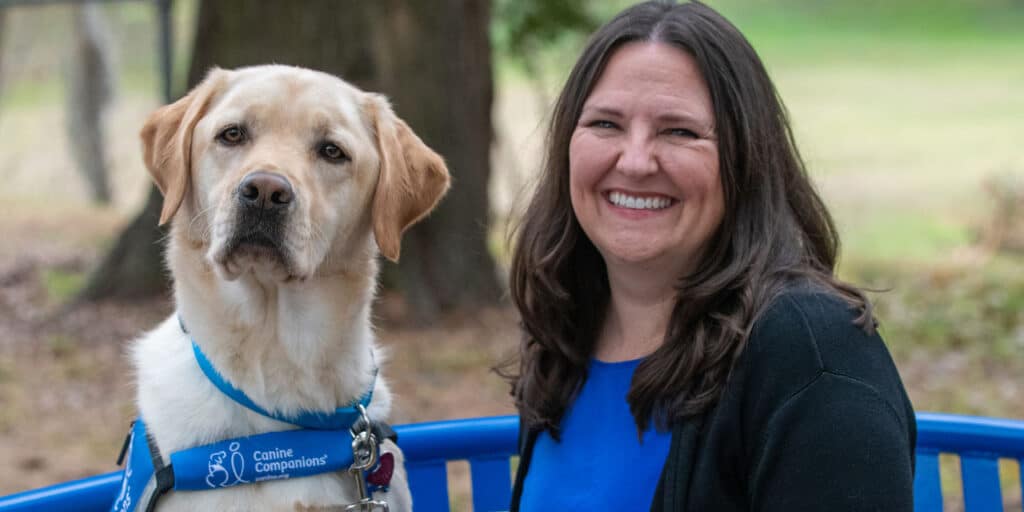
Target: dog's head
[{"x": 286, "y": 171}]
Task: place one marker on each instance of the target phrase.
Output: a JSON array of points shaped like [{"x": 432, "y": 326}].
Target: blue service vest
[
  {"x": 243, "y": 460},
  {"x": 322, "y": 445}
]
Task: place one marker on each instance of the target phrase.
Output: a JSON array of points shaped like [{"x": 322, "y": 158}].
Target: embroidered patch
[{"x": 381, "y": 475}]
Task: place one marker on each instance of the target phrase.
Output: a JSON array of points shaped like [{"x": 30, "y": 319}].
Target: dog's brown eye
[
  {"x": 232, "y": 135},
  {"x": 332, "y": 152}
]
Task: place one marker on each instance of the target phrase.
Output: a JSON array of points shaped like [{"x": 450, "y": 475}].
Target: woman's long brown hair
[{"x": 775, "y": 231}]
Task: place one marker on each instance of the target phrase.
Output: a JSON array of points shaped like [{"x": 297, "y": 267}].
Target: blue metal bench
[
  {"x": 980, "y": 443},
  {"x": 488, "y": 443}
]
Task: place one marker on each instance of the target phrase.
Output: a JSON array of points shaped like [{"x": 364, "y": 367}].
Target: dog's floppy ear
[
  {"x": 167, "y": 141},
  {"x": 413, "y": 178}
]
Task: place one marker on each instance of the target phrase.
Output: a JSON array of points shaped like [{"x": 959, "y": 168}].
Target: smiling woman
[{"x": 686, "y": 343}]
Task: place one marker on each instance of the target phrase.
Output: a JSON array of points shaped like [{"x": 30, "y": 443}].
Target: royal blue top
[{"x": 599, "y": 464}]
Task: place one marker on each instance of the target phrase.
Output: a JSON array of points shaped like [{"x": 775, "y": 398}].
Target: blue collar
[{"x": 340, "y": 418}]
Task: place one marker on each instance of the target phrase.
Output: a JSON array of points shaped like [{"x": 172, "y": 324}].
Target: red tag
[{"x": 381, "y": 475}]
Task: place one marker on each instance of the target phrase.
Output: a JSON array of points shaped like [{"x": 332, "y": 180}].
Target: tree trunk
[
  {"x": 3, "y": 36},
  {"x": 434, "y": 62},
  {"x": 134, "y": 267},
  {"x": 90, "y": 87},
  {"x": 433, "y": 59},
  {"x": 328, "y": 35}
]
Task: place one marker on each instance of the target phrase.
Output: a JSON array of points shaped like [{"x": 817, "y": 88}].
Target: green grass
[
  {"x": 900, "y": 130},
  {"x": 977, "y": 308},
  {"x": 62, "y": 285},
  {"x": 27, "y": 94},
  {"x": 901, "y": 236},
  {"x": 891, "y": 18}
]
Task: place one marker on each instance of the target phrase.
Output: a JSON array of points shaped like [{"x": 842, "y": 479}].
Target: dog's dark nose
[{"x": 265, "y": 190}]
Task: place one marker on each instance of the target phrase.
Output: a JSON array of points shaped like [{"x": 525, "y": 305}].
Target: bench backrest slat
[
  {"x": 927, "y": 482},
  {"x": 492, "y": 482},
  {"x": 428, "y": 481},
  {"x": 980, "y": 475}
]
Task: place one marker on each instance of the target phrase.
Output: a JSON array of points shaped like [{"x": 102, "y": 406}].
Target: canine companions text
[{"x": 281, "y": 185}]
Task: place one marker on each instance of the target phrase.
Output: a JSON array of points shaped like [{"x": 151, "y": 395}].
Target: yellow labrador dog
[{"x": 281, "y": 185}]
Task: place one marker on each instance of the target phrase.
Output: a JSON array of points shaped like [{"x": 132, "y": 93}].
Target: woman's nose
[{"x": 637, "y": 157}]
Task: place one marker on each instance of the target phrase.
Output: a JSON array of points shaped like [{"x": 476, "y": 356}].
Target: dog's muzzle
[
  {"x": 264, "y": 201},
  {"x": 262, "y": 190}
]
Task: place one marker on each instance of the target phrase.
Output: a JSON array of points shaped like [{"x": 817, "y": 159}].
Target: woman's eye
[
  {"x": 232, "y": 135},
  {"x": 682, "y": 132},
  {"x": 331, "y": 152},
  {"x": 601, "y": 123}
]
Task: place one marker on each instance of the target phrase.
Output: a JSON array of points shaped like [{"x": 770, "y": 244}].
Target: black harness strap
[
  {"x": 379, "y": 429},
  {"x": 163, "y": 474},
  {"x": 127, "y": 443}
]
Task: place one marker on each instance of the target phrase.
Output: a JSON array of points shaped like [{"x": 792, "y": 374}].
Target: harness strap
[
  {"x": 245, "y": 460},
  {"x": 163, "y": 474},
  {"x": 127, "y": 443}
]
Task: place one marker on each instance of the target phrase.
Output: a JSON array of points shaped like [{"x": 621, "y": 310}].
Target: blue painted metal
[
  {"x": 492, "y": 482},
  {"x": 955, "y": 433},
  {"x": 428, "y": 447},
  {"x": 428, "y": 482},
  {"x": 980, "y": 475},
  {"x": 980, "y": 442},
  {"x": 459, "y": 439},
  {"x": 94, "y": 493},
  {"x": 489, "y": 442},
  {"x": 927, "y": 483}
]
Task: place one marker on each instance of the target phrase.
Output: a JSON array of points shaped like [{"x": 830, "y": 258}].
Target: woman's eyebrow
[
  {"x": 680, "y": 117},
  {"x": 602, "y": 110}
]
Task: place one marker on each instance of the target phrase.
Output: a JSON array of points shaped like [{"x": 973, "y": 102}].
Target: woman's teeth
[{"x": 638, "y": 203}]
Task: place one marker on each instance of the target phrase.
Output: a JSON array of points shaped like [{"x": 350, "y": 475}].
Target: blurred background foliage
[{"x": 908, "y": 114}]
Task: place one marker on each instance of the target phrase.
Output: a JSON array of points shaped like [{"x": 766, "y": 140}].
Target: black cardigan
[{"x": 814, "y": 417}]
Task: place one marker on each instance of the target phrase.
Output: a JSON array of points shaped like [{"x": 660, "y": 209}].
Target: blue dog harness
[{"x": 324, "y": 443}]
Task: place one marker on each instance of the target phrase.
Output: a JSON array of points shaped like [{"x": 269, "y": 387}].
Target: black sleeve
[
  {"x": 835, "y": 445},
  {"x": 527, "y": 438}
]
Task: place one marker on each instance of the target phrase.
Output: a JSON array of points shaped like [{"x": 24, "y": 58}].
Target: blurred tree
[
  {"x": 432, "y": 59},
  {"x": 89, "y": 82},
  {"x": 3, "y": 34},
  {"x": 528, "y": 27},
  {"x": 434, "y": 62}
]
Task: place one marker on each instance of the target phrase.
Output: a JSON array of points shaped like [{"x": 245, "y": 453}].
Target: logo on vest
[
  {"x": 279, "y": 462},
  {"x": 217, "y": 473},
  {"x": 124, "y": 503},
  {"x": 226, "y": 468}
]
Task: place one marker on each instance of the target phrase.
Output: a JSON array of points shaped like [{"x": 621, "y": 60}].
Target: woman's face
[{"x": 643, "y": 161}]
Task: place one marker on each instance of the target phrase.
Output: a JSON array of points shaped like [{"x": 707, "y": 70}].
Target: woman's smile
[{"x": 635, "y": 201}]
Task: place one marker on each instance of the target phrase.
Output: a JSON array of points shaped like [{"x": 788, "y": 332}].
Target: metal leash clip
[{"x": 365, "y": 453}]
